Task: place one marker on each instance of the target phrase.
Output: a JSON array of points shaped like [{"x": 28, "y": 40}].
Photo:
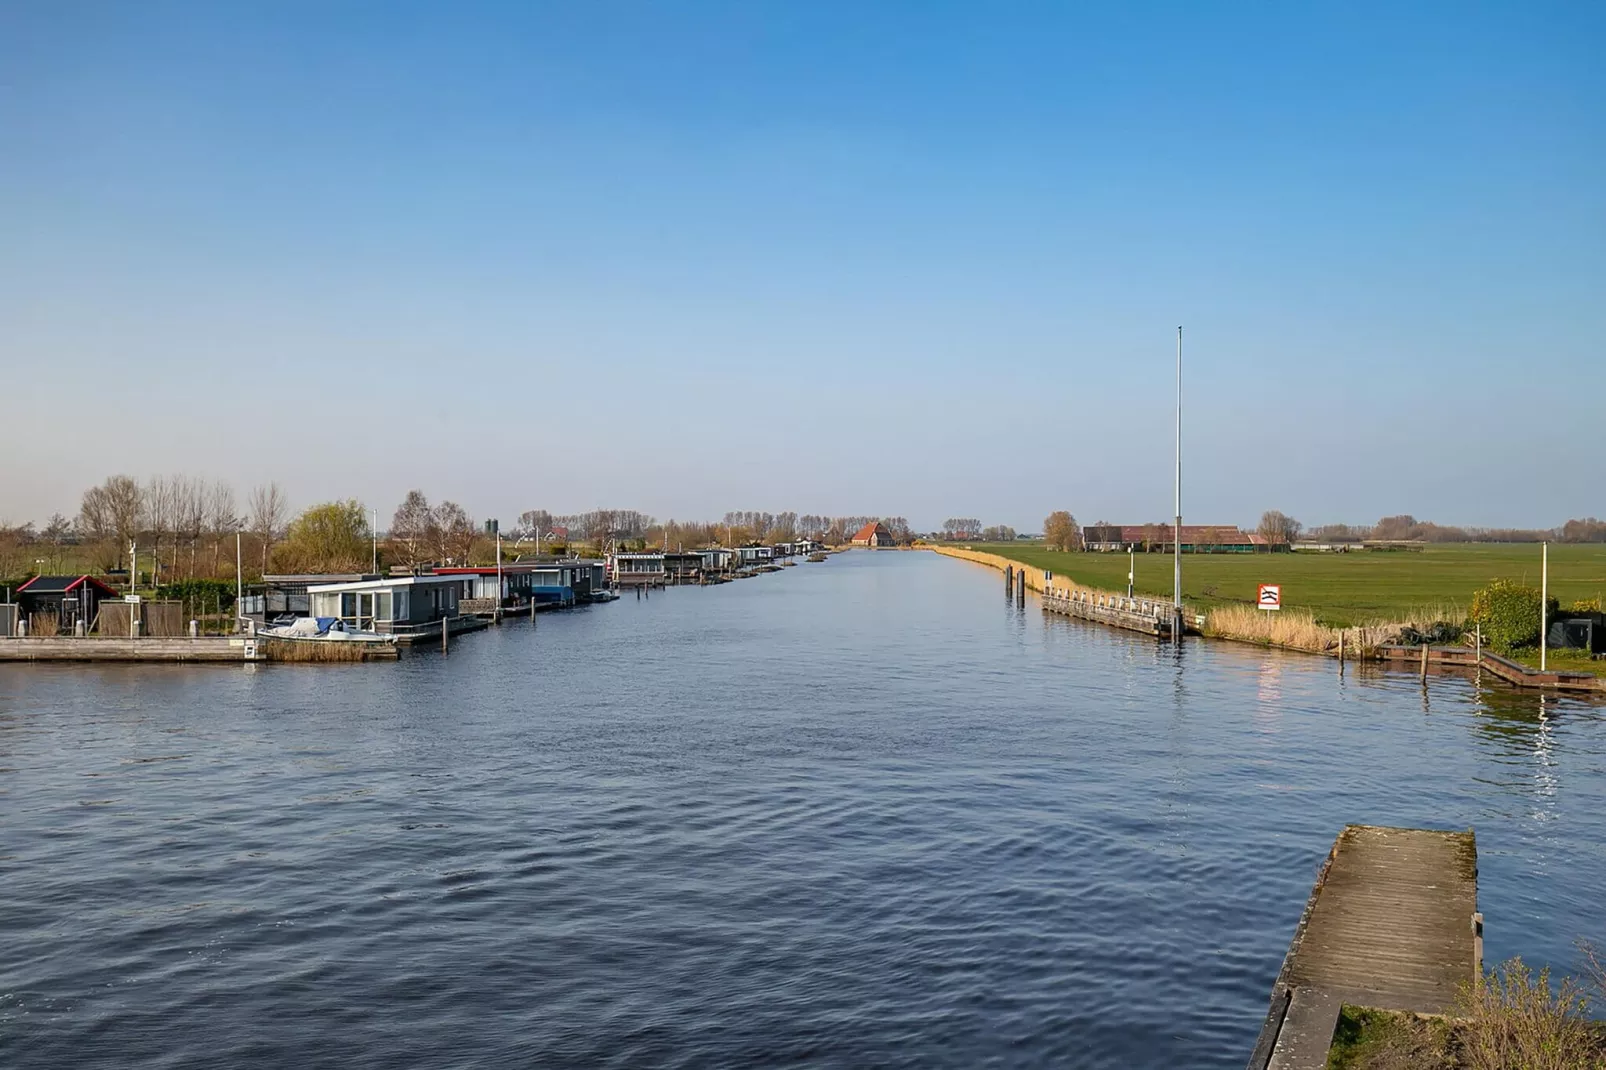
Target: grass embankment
[
  {"x": 1338, "y": 590},
  {"x": 1365, "y": 595},
  {"x": 1515, "y": 1019}
]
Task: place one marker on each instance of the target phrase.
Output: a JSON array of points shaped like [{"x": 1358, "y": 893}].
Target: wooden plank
[{"x": 1389, "y": 924}]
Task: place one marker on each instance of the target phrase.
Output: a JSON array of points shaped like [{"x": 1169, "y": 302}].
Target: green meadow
[{"x": 1359, "y": 587}]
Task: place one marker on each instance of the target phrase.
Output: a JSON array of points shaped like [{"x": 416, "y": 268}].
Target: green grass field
[{"x": 1360, "y": 587}]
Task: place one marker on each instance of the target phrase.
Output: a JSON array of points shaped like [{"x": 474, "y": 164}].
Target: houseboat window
[
  {"x": 382, "y": 606},
  {"x": 348, "y": 604}
]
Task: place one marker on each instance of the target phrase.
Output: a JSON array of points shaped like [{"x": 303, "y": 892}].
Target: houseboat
[{"x": 411, "y": 608}]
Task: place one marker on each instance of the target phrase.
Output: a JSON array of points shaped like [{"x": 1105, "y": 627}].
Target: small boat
[
  {"x": 816, "y": 557},
  {"x": 604, "y": 595},
  {"x": 323, "y": 629}
]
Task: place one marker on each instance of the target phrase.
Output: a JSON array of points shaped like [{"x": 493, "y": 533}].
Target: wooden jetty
[
  {"x": 1144, "y": 615},
  {"x": 1392, "y": 923},
  {"x": 1512, "y": 672}
]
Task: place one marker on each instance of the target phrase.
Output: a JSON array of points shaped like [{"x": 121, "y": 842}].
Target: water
[{"x": 857, "y": 813}]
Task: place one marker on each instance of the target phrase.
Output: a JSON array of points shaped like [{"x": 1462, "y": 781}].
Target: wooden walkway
[{"x": 1391, "y": 923}]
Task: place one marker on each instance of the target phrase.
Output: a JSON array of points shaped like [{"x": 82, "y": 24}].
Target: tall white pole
[
  {"x": 499, "y": 592},
  {"x": 1544, "y": 600},
  {"x": 1176, "y": 533},
  {"x": 375, "y": 532},
  {"x": 239, "y": 577}
]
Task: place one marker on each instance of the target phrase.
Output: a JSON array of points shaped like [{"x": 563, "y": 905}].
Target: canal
[{"x": 857, "y": 813}]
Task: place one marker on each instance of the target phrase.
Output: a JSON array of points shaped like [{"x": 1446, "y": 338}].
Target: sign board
[
  {"x": 1270, "y": 596},
  {"x": 134, "y": 598}
]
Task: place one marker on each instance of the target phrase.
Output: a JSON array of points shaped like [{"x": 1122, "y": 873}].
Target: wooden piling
[
  {"x": 445, "y": 622},
  {"x": 1341, "y": 647},
  {"x": 1424, "y": 661},
  {"x": 532, "y": 608}
]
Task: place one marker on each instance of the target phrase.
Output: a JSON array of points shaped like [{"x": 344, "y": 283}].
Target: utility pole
[
  {"x": 1544, "y": 602},
  {"x": 375, "y": 533},
  {"x": 1176, "y": 533},
  {"x": 239, "y": 580}
]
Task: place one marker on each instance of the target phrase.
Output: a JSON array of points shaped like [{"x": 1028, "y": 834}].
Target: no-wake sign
[{"x": 1270, "y": 596}]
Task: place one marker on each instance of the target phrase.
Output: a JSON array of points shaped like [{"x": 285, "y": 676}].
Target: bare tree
[
  {"x": 453, "y": 531},
  {"x": 1279, "y": 529},
  {"x": 112, "y": 511},
  {"x": 412, "y": 529},
  {"x": 189, "y": 514},
  {"x": 269, "y": 509},
  {"x": 221, "y": 519}
]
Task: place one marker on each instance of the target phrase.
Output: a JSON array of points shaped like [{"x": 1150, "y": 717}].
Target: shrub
[
  {"x": 1515, "y": 1018},
  {"x": 1586, "y": 605},
  {"x": 1508, "y": 613},
  {"x": 200, "y": 593}
]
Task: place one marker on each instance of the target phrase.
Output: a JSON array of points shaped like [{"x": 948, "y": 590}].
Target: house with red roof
[{"x": 873, "y": 535}]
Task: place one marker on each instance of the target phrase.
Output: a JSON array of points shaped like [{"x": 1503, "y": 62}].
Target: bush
[
  {"x": 1508, "y": 613},
  {"x": 200, "y": 593}
]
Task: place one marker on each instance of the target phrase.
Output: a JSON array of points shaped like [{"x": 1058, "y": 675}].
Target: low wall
[{"x": 93, "y": 648}]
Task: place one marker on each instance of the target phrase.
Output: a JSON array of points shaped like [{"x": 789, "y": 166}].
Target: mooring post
[
  {"x": 444, "y": 621},
  {"x": 532, "y": 607},
  {"x": 1020, "y": 590},
  {"x": 1478, "y": 644},
  {"x": 1424, "y": 661},
  {"x": 1341, "y": 649}
]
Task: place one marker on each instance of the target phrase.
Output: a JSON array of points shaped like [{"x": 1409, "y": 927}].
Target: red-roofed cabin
[
  {"x": 875, "y": 534},
  {"x": 70, "y": 599}
]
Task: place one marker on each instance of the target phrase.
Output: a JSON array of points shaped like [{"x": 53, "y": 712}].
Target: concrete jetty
[{"x": 1392, "y": 923}]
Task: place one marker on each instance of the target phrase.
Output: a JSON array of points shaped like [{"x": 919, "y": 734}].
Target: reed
[
  {"x": 1296, "y": 629},
  {"x": 323, "y": 651}
]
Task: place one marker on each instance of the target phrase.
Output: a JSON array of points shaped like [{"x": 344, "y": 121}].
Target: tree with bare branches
[
  {"x": 412, "y": 529},
  {"x": 112, "y": 511},
  {"x": 269, "y": 508}
]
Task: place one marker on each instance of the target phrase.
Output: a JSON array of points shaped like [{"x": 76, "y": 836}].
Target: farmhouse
[
  {"x": 1196, "y": 538},
  {"x": 874, "y": 534}
]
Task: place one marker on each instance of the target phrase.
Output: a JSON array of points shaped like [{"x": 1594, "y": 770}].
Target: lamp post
[
  {"x": 1176, "y": 533},
  {"x": 1544, "y": 602}
]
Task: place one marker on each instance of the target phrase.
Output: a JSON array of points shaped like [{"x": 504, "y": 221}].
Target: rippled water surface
[{"x": 857, "y": 813}]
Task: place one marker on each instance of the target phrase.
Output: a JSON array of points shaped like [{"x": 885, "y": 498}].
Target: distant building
[
  {"x": 638, "y": 570},
  {"x": 874, "y": 534},
  {"x": 1196, "y": 538}
]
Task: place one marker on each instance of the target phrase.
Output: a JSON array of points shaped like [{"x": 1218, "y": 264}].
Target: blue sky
[{"x": 916, "y": 259}]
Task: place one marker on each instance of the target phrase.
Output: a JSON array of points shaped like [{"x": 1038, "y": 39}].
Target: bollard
[
  {"x": 1020, "y": 590},
  {"x": 444, "y": 622},
  {"x": 1341, "y": 648},
  {"x": 1478, "y": 645},
  {"x": 195, "y": 629},
  {"x": 532, "y": 609},
  {"x": 1424, "y": 661}
]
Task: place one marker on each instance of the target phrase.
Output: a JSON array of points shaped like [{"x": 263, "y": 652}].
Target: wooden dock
[
  {"x": 144, "y": 648},
  {"x": 1144, "y": 615},
  {"x": 1512, "y": 672},
  {"x": 1391, "y": 923}
]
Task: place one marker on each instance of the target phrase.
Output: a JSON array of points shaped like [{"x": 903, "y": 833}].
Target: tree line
[{"x": 182, "y": 528}]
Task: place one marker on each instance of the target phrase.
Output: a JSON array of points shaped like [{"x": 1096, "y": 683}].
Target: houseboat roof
[
  {"x": 381, "y": 582},
  {"x": 316, "y": 577},
  {"x": 491, "y": 570},
  {"x": 62, "y": 585},
  {"x": 633, "y": 556}
]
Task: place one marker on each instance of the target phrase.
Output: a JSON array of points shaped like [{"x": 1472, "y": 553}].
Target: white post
[
  {"x": 1131, "y": 568},
  {"x": 239, "y": 580},
  {"x": 499, "y": 572},
  {"x": 374, "y": 568},
  {"x": 1176, "y": 533},
  {"x": 1544, "y": 600}
]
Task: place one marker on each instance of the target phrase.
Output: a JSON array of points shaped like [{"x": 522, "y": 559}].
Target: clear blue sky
[{"x": 917, "y": 259}]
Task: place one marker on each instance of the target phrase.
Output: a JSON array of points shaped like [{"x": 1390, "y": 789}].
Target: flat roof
[{"x": 380, "y": 583}]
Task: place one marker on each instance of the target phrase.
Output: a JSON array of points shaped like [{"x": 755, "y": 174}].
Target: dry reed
[
  {"x": 321, "y": 650},
  {"x": 44, "y": 625}
]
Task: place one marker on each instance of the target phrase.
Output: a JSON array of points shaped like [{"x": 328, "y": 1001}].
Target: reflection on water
[{"x": 851, "y": 814}]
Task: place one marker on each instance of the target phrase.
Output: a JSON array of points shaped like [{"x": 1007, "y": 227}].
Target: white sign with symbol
[{"x": 1271, "y": 596}]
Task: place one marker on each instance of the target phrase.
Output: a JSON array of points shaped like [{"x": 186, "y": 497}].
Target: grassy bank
[{"x": 1334, "y": 590}]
